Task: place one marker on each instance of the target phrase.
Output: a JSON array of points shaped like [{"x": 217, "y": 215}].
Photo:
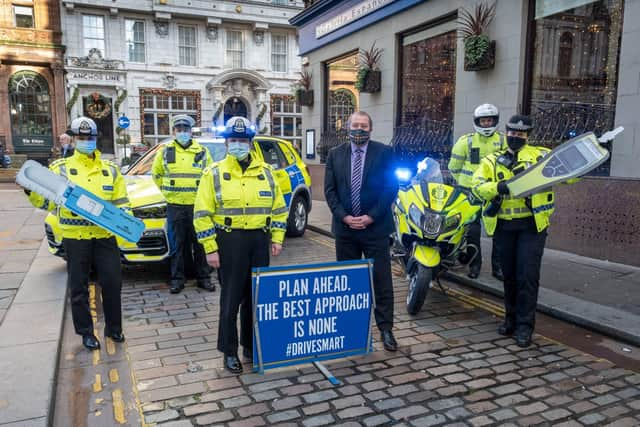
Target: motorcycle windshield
[{"x": 429, "y": 172}]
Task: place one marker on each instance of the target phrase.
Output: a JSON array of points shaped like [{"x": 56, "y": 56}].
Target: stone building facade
[
  {"x": 32, "y": 103},
  {"x": 151, "y": 59}
]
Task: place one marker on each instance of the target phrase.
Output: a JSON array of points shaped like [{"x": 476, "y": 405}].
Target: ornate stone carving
[
  {"x": 212, "y": 33},
  {"x": 169, "y": 81},
  {"x": 95, "y": 60},
  {"x": 162, "y": 28},
  {"x": 258, "y": 37}
]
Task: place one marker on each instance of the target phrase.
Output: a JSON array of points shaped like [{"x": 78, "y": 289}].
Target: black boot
[
  {"x": 232, "y": 364},
  {"x": 497, "y": 273},
  {"x": 206, "y": 285},
  {"x": 507, "y": 328},
  {"x": 176, "y": 287},
  {"x": 523, "y": 339},
  {"x": 90, "y": 342}
]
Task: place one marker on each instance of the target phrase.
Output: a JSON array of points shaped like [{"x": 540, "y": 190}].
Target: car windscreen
[{"x": 216, "y": 147}]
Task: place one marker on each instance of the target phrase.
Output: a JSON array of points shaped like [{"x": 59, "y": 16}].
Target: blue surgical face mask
[
  {"x": 183, "y": 138},
  {"x": 86, "y": 146},
  {"x": 239, "y": 150}
]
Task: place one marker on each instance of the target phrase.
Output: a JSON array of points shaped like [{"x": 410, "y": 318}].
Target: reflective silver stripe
[
  {"x": 184, "y": 175},
  {"x": 179, "y": 189},
  {"x": 63, "y": 170},
  {"x": 243, "y": 211},
  {"x": 456, "y": 156},
  {"x": 165, "y": 163},
  {"x": 281, "y": 210},
  {"x": 267, "y": 172},
  {"x": 469, "y": 144},
  {"x": 114, "y": 172},
  {"x": 514, "y": 211},
  {"x": 120, "y": 201},
  {"x": 217, "y": 188},
  {"x": 204, "y": 160},
  {"x": 202, "y": 214}
]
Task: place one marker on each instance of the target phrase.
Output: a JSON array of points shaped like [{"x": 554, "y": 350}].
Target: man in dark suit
[{"x": 360, "y": 186}]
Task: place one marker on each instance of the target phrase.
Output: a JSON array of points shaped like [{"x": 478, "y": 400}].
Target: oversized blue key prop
[{"x": 35, "y": 177}]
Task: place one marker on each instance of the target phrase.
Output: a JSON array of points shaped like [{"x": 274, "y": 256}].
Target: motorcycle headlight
[
  {"x": 451, "y": 223},
  {"x": 158, "y": 210},
  {"x": 415, "y": 215},
  {"x": 432, "y": 224}
]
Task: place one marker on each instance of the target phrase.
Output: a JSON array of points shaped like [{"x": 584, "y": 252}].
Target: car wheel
[{"x": 298, "y": 216}]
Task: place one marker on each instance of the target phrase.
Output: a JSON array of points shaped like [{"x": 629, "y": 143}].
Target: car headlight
[
  {"x": 451, "y": 223},
  {"x": 415, "y": 215},
  {"x": 432, "y": 224},
  {"x": 158, "y": 210}
]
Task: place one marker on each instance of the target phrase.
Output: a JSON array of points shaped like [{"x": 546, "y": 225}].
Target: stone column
[{"x": 59, "y": 115}]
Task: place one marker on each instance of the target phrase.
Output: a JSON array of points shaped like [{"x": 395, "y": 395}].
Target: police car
[{"x": 149, "y": 205}]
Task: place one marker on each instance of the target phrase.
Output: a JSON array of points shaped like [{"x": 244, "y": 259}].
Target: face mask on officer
[
  {"x": 86, "y": 145},
  {"x": 516, "y": 140},
  {"x": 183, "y": 135},
  {"x": 238, "y": 148}
]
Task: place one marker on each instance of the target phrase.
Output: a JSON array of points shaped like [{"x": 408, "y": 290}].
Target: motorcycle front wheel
[{"x": 418, "y": 288}]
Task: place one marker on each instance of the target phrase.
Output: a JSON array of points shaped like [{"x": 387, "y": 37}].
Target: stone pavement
[
  {"x": 32, "y": 294},
  {"x": 599, "y": 295},
  {"x": 452, "y": 368}
]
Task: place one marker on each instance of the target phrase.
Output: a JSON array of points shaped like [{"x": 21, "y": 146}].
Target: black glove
[
  {"x": 502, "y": 188},
  {"x": 27, "y": 192}
]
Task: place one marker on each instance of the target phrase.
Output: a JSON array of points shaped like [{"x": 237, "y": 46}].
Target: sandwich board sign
[{"x": 309, "y": 313}]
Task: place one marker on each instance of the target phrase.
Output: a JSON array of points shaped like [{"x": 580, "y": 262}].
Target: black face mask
[{"x": 515, "y": 143}]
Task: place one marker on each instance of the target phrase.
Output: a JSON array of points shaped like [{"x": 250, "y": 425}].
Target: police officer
[
  {"x": 520, "y": 226},
  {"x": 240, "y": 216},
  {"x": 177, "y": 169},
  {"x": 87, "y": 245},
  {"x": 465, "y": 159}
]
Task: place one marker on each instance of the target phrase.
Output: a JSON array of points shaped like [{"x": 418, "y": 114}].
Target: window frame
[
  {"x": 280, "y": 116},
  {"x": 185, "y": 46},
  {"x": 33, "y": 15},
  {"x": 103, "y": 51},
  {"x": 136, "y": 43},
  {"x": 280, "y": 54},
  {"x": 170, "y": 109},
  {"x": 228, "y": 62}
]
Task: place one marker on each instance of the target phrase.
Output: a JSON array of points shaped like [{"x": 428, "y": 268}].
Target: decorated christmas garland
[
  {"x": 72, "y": 101},
  {"x": 98, "y": 107}
]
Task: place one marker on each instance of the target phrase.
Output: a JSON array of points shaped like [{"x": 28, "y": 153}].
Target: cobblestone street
[{"x": 451, "y": 367}]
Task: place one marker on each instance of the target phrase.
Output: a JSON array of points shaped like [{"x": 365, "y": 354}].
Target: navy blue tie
[{"x": 356, "y": 183}]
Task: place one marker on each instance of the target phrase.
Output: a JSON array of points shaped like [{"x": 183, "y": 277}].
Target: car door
[
  {"x": 272, "y": 154},
  {"x": 293, "y": 167}
]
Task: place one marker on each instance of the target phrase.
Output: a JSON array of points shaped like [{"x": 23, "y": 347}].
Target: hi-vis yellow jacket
[
  {"x": 98, "y": 176},
  {"x": 485, "y": 185},
  {"x": 177, "y": 171},
  {"x": 468, "y": 151},
  {"x": 229, "y": 199}
]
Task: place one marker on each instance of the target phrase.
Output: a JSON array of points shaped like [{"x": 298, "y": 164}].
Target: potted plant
[
  {"x": 479, "y": 49},
  {"x": 369, "y": 78},
  {"x": 304, "y": 93}
]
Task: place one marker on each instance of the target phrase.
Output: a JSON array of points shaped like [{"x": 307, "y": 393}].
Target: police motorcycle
[{"x": 431, "y": 219}]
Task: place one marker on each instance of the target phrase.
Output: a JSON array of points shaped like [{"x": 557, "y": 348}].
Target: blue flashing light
[
  {"x": 403, "y": 174},
  {"x": 572, "y": 133}
]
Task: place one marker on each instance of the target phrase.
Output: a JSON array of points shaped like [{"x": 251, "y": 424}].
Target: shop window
[
  {"x": 427, "y": 95},
  {"x": 574, "y": 76},
  {"x": 343, "y": 98},
  {"x": 160, "y": 106},
  {"x": 30, "y": 108}
]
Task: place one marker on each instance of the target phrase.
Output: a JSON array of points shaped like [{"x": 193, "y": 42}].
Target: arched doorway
[
  {"x": 30, "y": 107},
  {"x": 234, "y": 107}
]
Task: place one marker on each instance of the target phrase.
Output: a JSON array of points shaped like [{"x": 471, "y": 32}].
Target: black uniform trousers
[
  {"x": 184, "y": 241},
  {"x": 104, "y": 256},
  {"x": 522, "y": 247},
  {"x": 240, "y": 251},
  {"x": 377, "y": 248},
  {"x": 473, "y": 237}
]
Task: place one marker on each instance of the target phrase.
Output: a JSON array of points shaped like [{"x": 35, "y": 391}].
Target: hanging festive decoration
[
  {"x": 119, "y": 100},
  {"x": 72, "y": 101},
  {"x": 98, "y": 107}
]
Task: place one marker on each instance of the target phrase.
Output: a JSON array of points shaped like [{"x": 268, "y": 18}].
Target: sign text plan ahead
[{"x": 309, "y": 313}]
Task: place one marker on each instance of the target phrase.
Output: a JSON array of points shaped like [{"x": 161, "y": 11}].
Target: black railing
[
  {"x": 430, "y": 138},
  {"x": 330, "y": 139},
  {"x": 556, "y": 122}
]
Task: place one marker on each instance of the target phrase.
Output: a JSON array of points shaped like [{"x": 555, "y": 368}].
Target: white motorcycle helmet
[{"x": 486, "y": 111}]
